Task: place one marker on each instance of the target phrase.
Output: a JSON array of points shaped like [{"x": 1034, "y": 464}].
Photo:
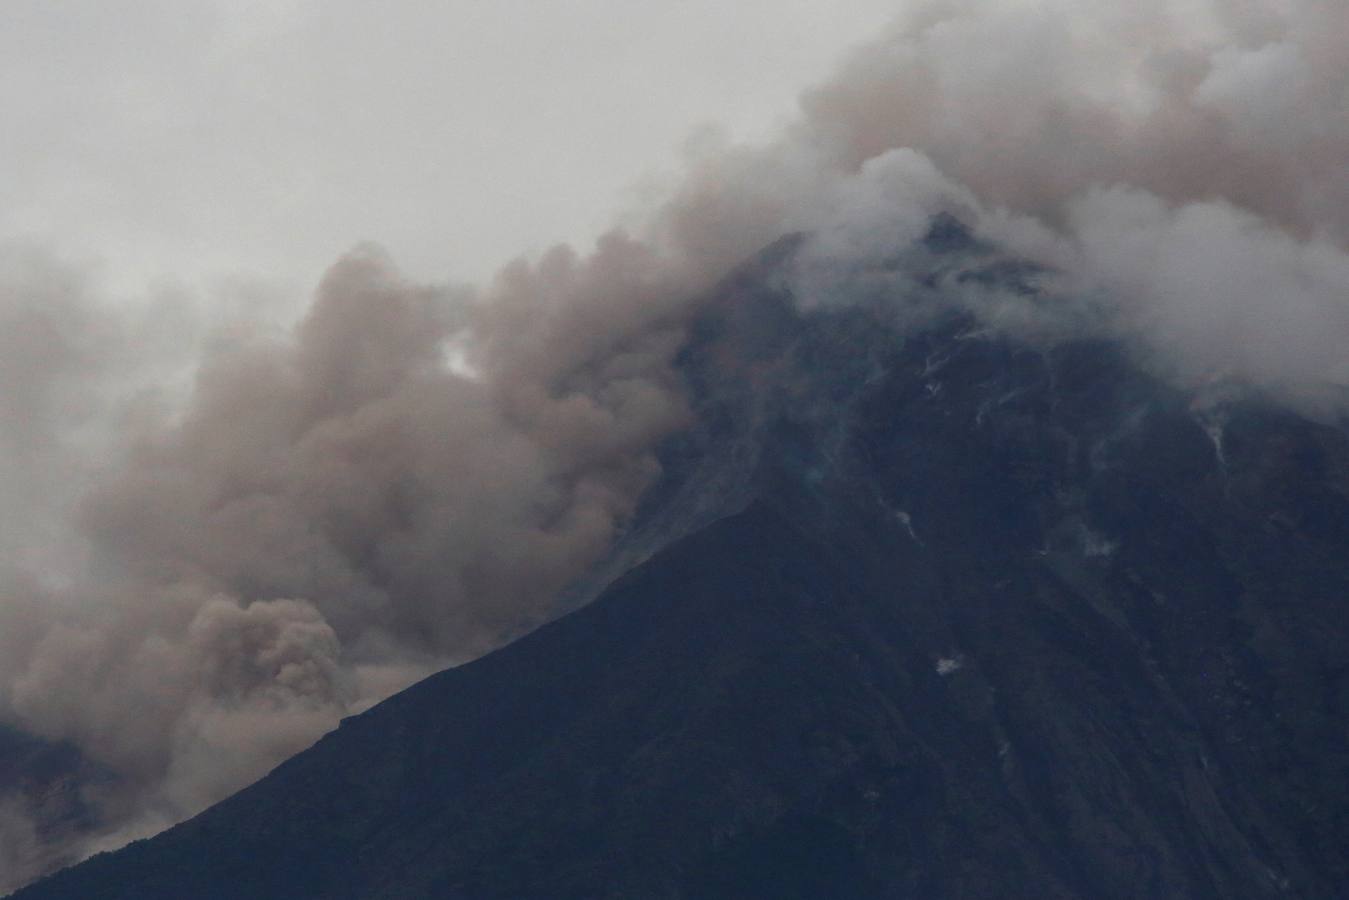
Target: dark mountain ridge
[
  {"x": 47, "y": 803},
  {"x": 916, "y": 612}
]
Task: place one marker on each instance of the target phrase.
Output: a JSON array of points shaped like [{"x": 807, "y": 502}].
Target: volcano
[{"x": 918, "y": 609}]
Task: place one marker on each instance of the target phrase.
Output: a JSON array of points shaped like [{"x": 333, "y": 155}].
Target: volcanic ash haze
[{"x": 198, "y": 582}]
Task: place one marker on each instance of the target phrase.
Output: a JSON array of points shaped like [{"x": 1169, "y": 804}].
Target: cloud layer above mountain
[{"x": 221, "y": 535}]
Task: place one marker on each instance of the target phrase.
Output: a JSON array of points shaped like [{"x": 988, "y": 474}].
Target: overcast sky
[{"x": 186, "y": 140}]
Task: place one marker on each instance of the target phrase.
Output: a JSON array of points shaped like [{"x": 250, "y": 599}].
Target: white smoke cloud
[
  {"x": 1030, "y": 102},
  {"x": 1184, "y": 161},
  {"x": 1218, "y": 292},
  {"x": 199, "y": 582}
]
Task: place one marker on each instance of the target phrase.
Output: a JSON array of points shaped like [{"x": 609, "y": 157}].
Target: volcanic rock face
[{"x": 924, "y": 612}]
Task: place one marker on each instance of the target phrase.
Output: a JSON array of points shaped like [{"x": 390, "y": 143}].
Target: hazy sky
[{"x": 178, "y": 139}]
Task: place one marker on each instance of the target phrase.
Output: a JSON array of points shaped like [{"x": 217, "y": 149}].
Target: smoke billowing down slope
[{"x": 220, "y": 539}]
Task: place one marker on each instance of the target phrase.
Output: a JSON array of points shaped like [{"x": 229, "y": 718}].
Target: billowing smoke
[
  {"x": 1028, "y": 102},
  {"x": 402, "y": 481},
  {"x": 200, "y": 580}
]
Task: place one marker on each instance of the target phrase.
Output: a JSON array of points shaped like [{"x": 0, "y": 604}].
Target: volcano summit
[{"x": 915, "y": 610}]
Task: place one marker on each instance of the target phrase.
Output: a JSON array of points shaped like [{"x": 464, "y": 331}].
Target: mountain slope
[
  {"x": 925, "y": 612},
  {"x": 45, "y": 804}
]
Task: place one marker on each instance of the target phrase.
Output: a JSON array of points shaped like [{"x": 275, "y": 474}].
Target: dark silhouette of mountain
[
  {"x": 43, "y": 803},
  {"x": 916, "y": 612}
]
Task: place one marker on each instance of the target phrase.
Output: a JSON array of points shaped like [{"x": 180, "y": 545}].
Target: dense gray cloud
[
  {"x": 1028, "y": 102},
  {"x": 193, "y": 139},
  {"x": 200, "y": 579},
  {"x": 332, "y": 513}
]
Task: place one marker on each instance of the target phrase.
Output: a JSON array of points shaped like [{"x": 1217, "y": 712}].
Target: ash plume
[{"x": 197, "y": 583}]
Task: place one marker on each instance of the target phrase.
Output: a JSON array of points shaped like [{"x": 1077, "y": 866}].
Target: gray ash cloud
[{"x": 199, "y": 580}]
